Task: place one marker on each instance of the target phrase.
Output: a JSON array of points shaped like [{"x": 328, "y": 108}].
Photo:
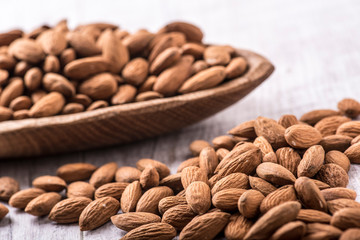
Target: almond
[
  {"x": 80, "y": 189},
  {"x": 178, "y": 216},
  {"x": 169, "y": 202},
  {"x": 7, "y": 61},
  {"x": 237, "y": 227},
  {"x": 284, "y": 194},
  {"x": 328, "y": 126},
  {"x": 198, "y": 197},
  {"x": 346, "y": 218},
  {"x": 138, "y": 41},
  {"x": 249, "y": 203},
  {"x": 309, "y": 194},
  {"x": 224, "y": 141},
  {"x": 26, "y": 49},
  {"x": 103, "y": 174},
  {"x": 208, "y": 160},
  {"x": 353, "y": 153},
  {"x": 312, "y": 161},
  {"x": 149, "y": 201},
  {"x": 194, "y": 49},
  {"x": 198, "y": 145},
  {"x": 221, "y": 153},
  {"x": 288, "y": 158},
  {"x": 350, "y": 234},
  {"x": 3, "y": 211},
  {"x": 340, "y": 203},
  {"x": 20, "y": 103},
  {"x": 170, "y": 80},
  {"x": 23, "y": 197},
  {"x": 216, "y": 55},
  {"x": 261, "y": 185},
  {"x": 49, "y": 105},
  {"x": 335, "y": 142},
  {"x": 13, "y": 90},
  {"x": 21, "y": 114},
  {"x": 37, "y": 95},
  {"x": 67, "y": 56},
  {"x": 322, "y": 231},
  {"x": 42, "y": 205},
  {"x": 135, "y": 71},
  {"x": 149, "y": 178},
  {"x": 165, "y": 59},
  {"x": 355, "y": 140},
  {"x": 291, "y": 230},
  {"x": 302, "y": 136},
  {"x": 8, "y": 187},
  {"x": 5, "y": 113},
  {"x": 311, "y": 216},
  {"x": 227, "y": 199},
  {"x": 264, "y": 145},
  {"x": 271, "y": 131},
  {"x": 192, "y": 33},
  {"x": 8, "y": 37},
  {"x": 149, "y": 95},
  {"x": 127, "y": 174},
  {"x": 204, "y": 80},
  {"x": 315, "y": 116},
  {"x": 83, "y": 44},
  {"x": 32, "y": 78},
  {"x": 234, "y": 180},
  {"x": 85, "y": 67},
  {"x": 172, "y": 181},
  {"x": 58, "y": 83},
  {"x": 125, "y": 93},
  {"x": 272, "y": 220},
  {"x": 148, "y": 84},
  {"x": 114, "y": 190},
  {"x": 206, "y": 226},
  {"x": 52, "y": 41},
  {"x": 163, "y": 41},
  {"x": 338, "y": 158},
  {"x": 75, "y": 171},
  {"x": 97, "y": 105},
  {"x": 288, "y": 120},
  {"x": 49, "y": 183},
  {"x": 130, "y": 197},
  {"x": 162, "y": 169},
  {"x": 351, "y": 129},
  {"x": 236, "y": 67},
  {"x": 333, "y": 174},
  {"x": 338, "y": 192},
  {"x": 100, "y": 86},
  {"x": 350, "y": 107},
  {"x": 198, "y": 66},
  {"x": 275, "y": 173},
  {"x": 160, "y": 231},
  {"x": 132, "y": 220}
]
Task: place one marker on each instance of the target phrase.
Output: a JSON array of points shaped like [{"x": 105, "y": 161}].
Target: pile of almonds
[
  {"x": 270, "y": 179},
  {"x": 52, "y": 71}
]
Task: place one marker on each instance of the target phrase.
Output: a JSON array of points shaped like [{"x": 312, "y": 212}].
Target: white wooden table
[{"x": 315, "y": 46}]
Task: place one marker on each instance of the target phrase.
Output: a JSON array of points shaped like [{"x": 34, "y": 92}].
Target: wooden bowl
[{"x": 129, "y": 122}]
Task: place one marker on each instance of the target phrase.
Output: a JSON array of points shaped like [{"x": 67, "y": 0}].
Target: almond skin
[
  {"x": 312, "y": 161},
  {"x": 188, "y": 163},
  {"x": 237, "y": 227},
  {"x": 49, "y": 105},
  {"x": 329, "y": 125},
  {"x": 169, "y": 202},
  {"x": 261, "y": 185},
  {"x": 127, "y": 174},
  {"x": 125, "y": 93},
  {"x": 83, "y": 45},
  {"x": 132, "y": 220},
  {"x": 283, "y": 194},
  {"x": 335, "y": 142},
  {"x": 42, "y": 205},
  {"x": 288, "y": 120},
  {"x": 198, "y": 145},
  {"x": 75, "y": 171},
  {"x": 27, "y": 49},
  {"x": 165, "y": 59},
  {"x": 192, "y": 32},
  {"x": 275, "y": 173},
  {"x": 249, "y": 203},
  {"x": 198, "y": 197},
  {"x": 149, "y": 201},
  {"x": 338, "y": 158},
  {"x": 32, "y": 78},
  {"x": 351, "y": 129},
  {"x": 227, "y": 199},
  {"x": 13, "y": 90},
  {"x": 321, "y": 231},
  {"x": 8, "y": 187},
  {"x": 149, "y": 178},
  {"x": 236, "y": 67},
  {"x": 101, "y": 86},
  {"x": 162, "y": 169},
  {"x": 302, "y": 136},
  {"x": 80, "y": 189},
  {"x": 311, "y": 215},
  {"x": 338, "y": 192},
  {"x": 288, "y": 158},
  {"x": 172, "y": 181},
  {"x": 98, "y": 212},
  {"x": 234, "y": 180},
  {"x": 58, "y": 83},
  {"x": 346, "y": 218},
  {"x": 85, "y": 67},
  {"x": 130, "y": 197},
  {"x": 216, "y": 55},
  {"x": 49, "y": 183},
  {"x": 350, "y": 234},
  {"x": 103, "y": 174},
  {"x": 178, "y": 216},
  {"x": 315, "y": 116},
  {"x": 53, "y": 42},
  {"x": 309, "y": 194},
  {"x": 192, "y": 174},
  {"x": 208, "y": 160},
  {"x": 114, "y": 189},
  {"x": 23, "y": 197},
  {"x": 340, "y": 203},
  {"x": 290, "y": 230},
  {"x": 353, "y": 153},
  {"x": 349, "y": 107},
  {"x": 160, "y": 231},
  {"x": 271, "y": 131},
  {"x": 333, "y": 174},
  {"x": 3, "y": 211},
  {"x": 136, "y": 71},
  {"x": 245, "y": 129}
]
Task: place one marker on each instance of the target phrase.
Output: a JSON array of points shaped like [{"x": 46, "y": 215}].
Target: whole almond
[
  {"x": 178, "y": 216},
  {"x": 146, "y": 96},
  {"x": 205, "y": 79},
  {"x": 160, "y": 167},
  {"x": 227, "y": 199},
  {"x": 49, "y": 183},
  {"x": 288, "y": 158},
  {"x": 333, "y": 174},
  {"x": 302, "y": 136},
  {"x": 75, "y": 171},
  {"x": 98, "y": 212},
  {"x": 194, "y": 49},
  {"x": 338, "y": 158},
  {"x": 198, "y": 197},
  {"x": 148, "y": 84},
  {"x": 8, "y": 37},
  {"x": 58, "y": 83},
  {"x": 291, "y": 230},
  {"x": 114, "y": 189},
  {"x": 170, "y": 80},
  {"x": 49, "y": 105},
  {"x": 311, "y": 162},
  {"x": 27, "y": 49},
  {"x": 8, "y": 187},
  {"x": 216, "y": 55},
  {"x": 3, "y": 211},
  {"x": 355, "y": 140},
  {"x": 192, "y": 33},
  {"x": 165, "y": 59},
  {"x": 52, "y": 41},
  {"x": 160, "y": 231},
  {"x": 206, "y": 226},
  {"x": 149, "y": 201},
  {"x": 100, "y": 86},
  {"x": 72, "y": 108},
  {"x": 328, "y": 126},
  {"x": 198, "y": 145},
  {"x": 130, "y": 197},
  {"x": 21, "y": 114},
  {"x": 350, "y": 107},
  {"x": 322, "y": 231},
  {"x": 275, "y": 173},
  {"x": 169, "y": 202},
  {"x": 7, "y": 61},
  {"x": 138, "y": 41},
  {"x": 13, "y": 90},
  {"x": 287, "y": 120},
  {"x": 172, "y": 181},
  {"x": 125, "y": 93},
  {"x": 223, "y": 141},
  {"x": 271, "y": 131},
  {"x": 249, "y": 203},
  {"x": 237, "y": 227},
  {"x": 311, "y": 216},
  {"x": 192, "y": 174},
  {"x": 272, "y": 220},
  {"x": 103, "y": 174},
  {"x": 68, "y": 55},
  {"x": 264, "y": 145},
  {"x": 335, "y": 142},
  {"x": 20, "y": 103},
  {"x": 127, "y": 174},
  {"x": 338, "y": 192},
  {"x": 149, "y": 178},
  {"x": 83, "y": 44},
  {"x": 5, "y": 113},
  {"x": 346, "y": 218},
  {"x": 195, "y": 162},
  {"x": 131, "y": 220},
  {"x": 351, "y": 129},
  {"x": 80, "y": 189},
  {"x": 234, "y": 180},
  {"x": 340, "y": 203},
  {"x": 32, "y": 78},
  {"x": 221, "y": 153},
  {"x": 315, "y": 116},
  {"x": 261, "y": 185},
  {"x": 284, "y": 194},
  {"x": 135, "y": 71},
  {"x": 309, "y": 194},
  {"x": 350, "y": 234},
  {"x": 23, "y": 197},
  {"x": 85, "y": 67},
  {"x": 353, "y": 153},
  {"x": 42, "y": 205},
  {"x": 236, "y": 67},
  {"x": 198, "y": 66}
]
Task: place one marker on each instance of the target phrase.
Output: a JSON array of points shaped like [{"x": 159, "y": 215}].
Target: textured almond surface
[
  {"x": 23, "y": 197},
  {"x": 8, "y": 187},
  {"x": 302, "y": 136},
  {"x": 132, "y": 220},
  {"x": 149, "y": 201},
  {"x": 69, "y": 210},
  {"x": 160, "y": 231},
  {"x": 75, "y": 171}
]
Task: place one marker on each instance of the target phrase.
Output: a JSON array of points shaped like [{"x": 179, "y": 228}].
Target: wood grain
[{"x": 313, "y": 44}]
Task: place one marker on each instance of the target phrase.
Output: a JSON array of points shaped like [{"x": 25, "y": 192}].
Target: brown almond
[
  {"x": 355, "y": 140},
  {"x": 192, "y": 32},
  {"x": 338, "y": 158},
  {"x": 37, "y": 95},
  {"x": 237, "y": 227},
  {"x": 32, "y": 78},
  {"x": 340, "y": 203},
  {"x": 321, "y": 231},
  {"x": 291, "y": 230},
  {"x": 272, "y": 220},
  {"x": 188, "y": 163},
  {"x": 67, "y": 56},
  {"x": 7, "y": 61},
  {"x": 178, "y": 216},
  {"x": 138, "y": 41},
  {"x": 351, "y": 129},
  {"x": 5, "y": 113},
  {"x": 312, "y": 216},
  {"x": 162, "y": 169},
  {"x": 148, "y": 84},
  {"x": 4, "y": 75},
  {"x": 163, "y": 41},
  {"x": 52, "y": 41},
  {"x": 160, "y": 231},
  {"x": 353, "y": 153},
  {"x": 98, "y": 212},
  {"x": 198, "y": 197},
  {"x": 216, "y": 55},
  {"x": 51, "y": 64},
  {"x": 125, "y": 93},
  {"x": 42, "y": 205},
  {"x": 23, "y": 197},
  {"x": 349, "y": 107},
  {"x": 309, "y": 194},
  {"x": 350, "y": 234},
  {"x": 206, "y": 226},
  {"x": 264, "y": 145},
  {"x": 80, "y": 189},
  {"x": 288, "y": 158},
  {"x": 194, "y": 49},
  {"x": 56, "y": 82},
  {"x": 346, "y": 218},
  {"x": 275, "y": 173},
  {"x": 114, "y": 189},
  {"x": 198, "y": 145},
  {"x": 205, "y": 79},
  {"x": 75, "y": 171},
  {"x": 249, "y": 203},
  {"x": 3, "y": 211},
  {"x": 335, "y": 142},
  {"x": 172, "y": 181},
  {"x": 236, "y": 67},
  {"x": 165, "y": 59},
  {"x": 234, "y": 180},
  {"x": 338, "y": 192},
  {"x": 283, "y": 194},
  {"x": 83, "y": 44},
  {"x": 130, "y": 197},
  {"x": 261, "y": 185},
  {"x": 149, "y": 201},
  {"x": 8, "y": 37},
  {"x": 101, "y": 86},
  {"x": 127, "y": 174},
  {"x": 302, "y": 136},
  {"x": 72, "y": 108},
  {"x": 333, "y": 174},
  {"x": 271, "y": 131},
  {"x": 20, "y": 103},
  {"x": 221, "y": 153},
  {"x": 315, "y": 116},
  {"x": 208, "y": 160},
  {"x": 223, "y": 141},
  {"x": 27, "y": 49},
  {"x": 131, "y": 220},
  {"x": 328, "y": 126},
  {"x": 97, "y": 105},
  {"x": 103, "y": 174},
  {"x": 287, "y": 120},
  {"x": 8, "y": 187},
  {"x": 13, "y": 90},
  {"x": 227, "y": 199},
  {"x": 49, "y": 105},
  {"x": 146, "y": 96},
  {"x": 49, "y": 183},
  {"x": 169, "y": 202},
  {"x": 136, "y": 71},
  {"x": 21, "y": 114},
  {"x": 85, "y": 67},
  {"x": 149, "y": 178},
  {"x": 311, "y": 162},
  {"x": 198, "y": 66}
]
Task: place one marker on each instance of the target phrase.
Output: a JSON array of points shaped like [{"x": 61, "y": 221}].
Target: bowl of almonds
[{"x": 66, "y": 90}]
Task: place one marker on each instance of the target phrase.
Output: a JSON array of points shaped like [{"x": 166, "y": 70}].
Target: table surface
[{"x": 313, "y": 44}]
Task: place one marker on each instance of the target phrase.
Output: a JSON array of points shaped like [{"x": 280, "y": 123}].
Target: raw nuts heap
[
  {"x": 282, "y": 179},
  {"x": 52, "y": 71}
]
